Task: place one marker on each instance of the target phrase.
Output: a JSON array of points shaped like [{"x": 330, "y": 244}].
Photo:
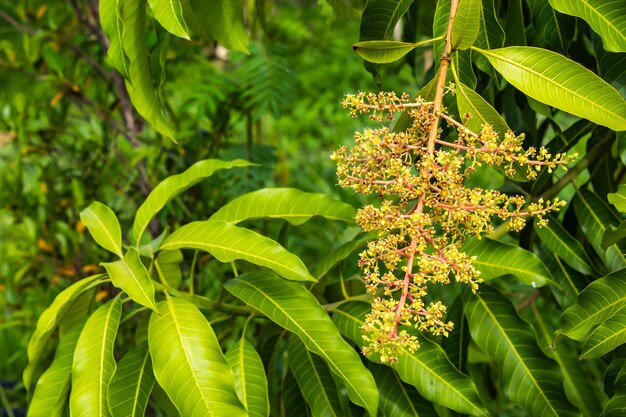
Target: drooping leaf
[
  {"x": 490, "y": 36},
  {"x": 383, "y": 52},
  {"x": 112, "y": 22},
  {"x": 494, "y": 259},
  {"x": 50, "y": 396},
  {"x": 560, "y": 82},
  {"x": 103, "y": 226},
  {"x": 50, "y": 319},
  {"x": 314, "y": 379},
  {"x": 558, "y": 240},
  {"x": 606, "y": 337},
  {"x": 529, "y": 377},
  {"x": 555, "y": 28},
  {"x": 618, "y": 199},
  {"x": 174, "y": 185},
  {"x": 169, "y": 13},
  {"x": 482, "y": 112},
  {"x": 337, "y": 255},
  {"x": 398, "y": 399},
  {"x": 456, "y": 344},
  {"x": 606, "y": 18},
  {"x": 228, "y": 243},
  {"x": 598, "y": 302},
  {"x": 463, "y": 64},
  {"x": 94, "y": 364},
  {"x": 466, "y": 24},
  {"x": 188, "y": 362},
  {"x": 130, "y": 275},
  {"x": 294, "y": 308},
  {"x": 131, "y": 384},
  {"x": 250, "y": 380},
  {"x": 289, "y": 204},
  {"x": 223, "y": 20},
  {"x": 428, "y": 369}
]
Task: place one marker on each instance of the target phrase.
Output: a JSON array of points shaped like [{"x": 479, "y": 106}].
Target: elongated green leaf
[
  {"x": 570, "y": 281},
  {"x": 167, "y": 263},
  {"x": 383, "y": 52},
  {"x": 598, "y": 302},
  {"x": 131, "y": 384},
  {"x": 457, "y": 343},
  {"x": 466, "y": 24},
  {"x": 337, "y": 255},
  {"x": 558, "y": 240},
  {"x": 289, "y": 204},
  {"x": 292, "y": 307},
  {"x": 130, "y": 275},
  {"x": 613, "y": 235},
  {"x": 380, "y": 18},
  {"x": 174, "y": 185},
  {"x": 482, "y": 113},
  {"x": 112, "y": 22},
  {"x": 223, "y": 21},
  {"x": 228, "y": 243},
  {"x": 94, "y": 364},
  {"x": 103, "y": 226},
  {"x": 606, "y": 18},
  {"x": 50, "y": 394},
  {"x": 169, "y": 14},
  {"x": 250, "y": 380},
  {"x": 140, "y": 84},
  {"x": 314, "y": 379},
  {"x": 50, "y": 319},
  {"x": 555, "y": 28},
  {"x": 494, "y": 259},
  {"x": 618, "y": 199},
  {"x": 428, "y": 369},
  {"x": 560, "y": 82},
  {"x": 595, "y": 218},
  {"x": 606, "y": 337},
  {"x": 529, "y": 377},
  {"x": 398, "y": 399},
  {"x": 490, "y": 36},
  {"x": 188, "y": 362},
  {"x": 291, "y": 399}
]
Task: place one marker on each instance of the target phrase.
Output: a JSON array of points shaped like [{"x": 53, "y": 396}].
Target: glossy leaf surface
[
  {"x": 466, "y": 24},
  {"x": 383, "y": 52},
  {"x": 482, "y": 112},
  {"x": 169, "y": 13},
  {"x": 560, "y": 241},
  {"x": 398, "y": 399},
  {"x": 250, "y": 379},
  {"x": 618, "y": 199},
  {"x": 103, "y": 226},
  {"x": 112, "y": 22},
  {"x": 606, "y": 337},
  {"x": 130, "y": 275},
  {"x": 131, "y": 384}
]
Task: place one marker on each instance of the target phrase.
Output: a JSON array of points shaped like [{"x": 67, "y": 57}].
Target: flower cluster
[{"x": 426, "y": 211}]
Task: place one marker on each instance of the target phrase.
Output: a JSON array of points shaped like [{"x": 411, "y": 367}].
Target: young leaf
[
  {"x": 130, "y": 275},
  {"x": 112, "y": 22},
  {"x": 51, "y": 317},
  {"x": 292, "y": 307},
  {"x": 188, "y": 362},
  {"x": 250, "y": 380},
  {"x": 94, "y": 364},
  {"x": 174, "y": 185},
  {"x": 560, "y": 82},
  {"x": 131, "y": 384},
  {"x": 606, "y": 18},
  {"x": 228, "y": 243},
  {"x": 618, "y": 199},
  {"x": 428, "y": 369},
  {"x": 289, "y": 204},
  {"x": 529, "y": 377},
  {"x": 314, "y": 379},
  {"x": 383, "y": 52},
  {"x": 494, "y": 259},
  {"x": 169, "y": 13},
  {"x": 466, "y": 24},
  {"x": 606, "y": 337},
  {"x": 103, "y": 226},
  {"x": 558, "y": 240},
  {"x": 599, "y": 301}
]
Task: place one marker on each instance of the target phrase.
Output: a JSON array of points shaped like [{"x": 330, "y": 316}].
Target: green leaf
[
  {"x": 560, "y": 241},
  {"x": 380, "y": 18},
  {"x": 613, "y": 235},
  {"x": 383, "y": 52},
  {"x": 456, "y": 344},
  {"x": 174, "y": 185},
  {"x": 131, "y": 384},
  {"x": 570, "y": 281},
  {"x": 466, "y": 24},
  {"x": 140, "y": 84},
  {"x": 398, "y": 399},
  {"x": 103, "y": 226},
  {"x": 494, "y": 259},
  {"x": 337, "y": 255},
  {"x": 618, "y": 199},
  {"x": 223, "y": 21},
  {"x": 130, "y": 275},
  {"x": 557, "y": 29},
  {"x": 50, "y": 394},
  {"x": 560, "y": 82},
  {"x": 289, "y": 204},
  {"x": 294, "y": 308},
  {"x": 529, "y": 377},
  {"x": 228, "y": 243},
  {"x": 188, "y": 362},
  {"x": 112, "y": 22},
  {"x": 50, "y": 319},
  {"x": 167, "y": 263},
  {"x": 482, "y": 112},
  {"x": 598, "y": 302},
  {"x": 428, "y": 369},
  {"x": 490, "y": 36},
  {"x": 94, "y": 364},
  {"x": 314, "y": 379},
  {"x": 169, "y": 13},
  {"x": 606, "y": 18},
  {"x": 250, "y": 380},
  {"x": 606, "y": 337}
]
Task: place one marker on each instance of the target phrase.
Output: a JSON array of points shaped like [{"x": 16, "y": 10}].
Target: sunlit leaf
[
  {"x": 606, "y": 337},
  {"x": 130, "y": 275},
  {"x": 294, "y": 308},
  {"x": 223, "y": 21},
  {"x": 382, "y": 52},
  {"x": 558, "y": 240},
  {"x": 112, "y": 22},
  {"x": 466, "y": 24},
  {"x": 188, "y": 362},
  {"x": 103, "y": 226},
  {"x": 94, "y": 364},
  {"x": 131, "y": 384},
  {"x": 618, "y": 199},
  {"x": 250, "y": 380},
  {"x": 169, "y": 13},
  {"x": 168, "y": 263}
]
